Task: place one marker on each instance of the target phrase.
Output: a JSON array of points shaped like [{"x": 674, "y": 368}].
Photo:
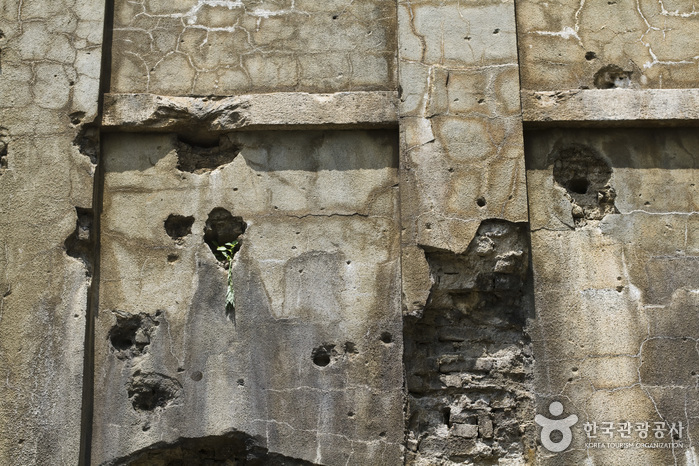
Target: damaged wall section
[{"x": 468, "y": 357}]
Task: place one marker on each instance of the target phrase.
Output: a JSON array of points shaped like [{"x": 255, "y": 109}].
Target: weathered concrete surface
[
  {"x": 225, "y": 47},
  {"x": 628, "y": 107},
  {"x": 460, "y": 126},
  {"x": 308, "y": 363},
  {"x": 279, "y": 110},
  {"x": 572, "y": 44},
  {"x": 617, "y": 296},
  {"x": 462, "y": 164},
  {"x": 49, "y": 79}
]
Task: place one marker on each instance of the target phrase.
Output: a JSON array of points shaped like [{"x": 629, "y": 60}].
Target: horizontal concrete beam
[
  {"x": 282, "y": 110},
  {"x": 611, "y": 107}
]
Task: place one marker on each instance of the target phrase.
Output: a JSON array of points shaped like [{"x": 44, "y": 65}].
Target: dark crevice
[
  {"x": 4, "y": 143},
  {"x": 79, "y": 244},
  {"x": 204, "y": 156},
  {"x": 131, "y": 334},
  {"x": 178, "y": 226},
  {"x": 222, "y": 228},
  {"x": 586, "y": 178},
  {"x": 235, "y": 448}
]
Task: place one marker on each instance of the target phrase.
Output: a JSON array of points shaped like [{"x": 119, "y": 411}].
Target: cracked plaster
[
  {"x": 654, "y": 39},
  {"x": 221, "y": 47}
]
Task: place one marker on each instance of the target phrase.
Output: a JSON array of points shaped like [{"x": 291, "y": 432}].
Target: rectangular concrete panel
[{"x": 306, "y": 360}]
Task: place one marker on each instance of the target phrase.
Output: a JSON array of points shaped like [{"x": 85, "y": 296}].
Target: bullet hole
[
  {"x": 467, "y": 38},
  {"x": 196, "y": 376},
  {"x": 172, "y": 258},
  {"x": 480, "y": 101},
  {"x": 323, "y": 354},
  {"x": 348, "y": 262},
  {"x": 446, "y": 416},
  {"x": 382, "y": 434},
  {"x": 350, "y": 347},
  {"x": 574, "y": 369},
  {"x": 4, "y": 142},
  {"x": 620, "y": 288},
  {"x": 20, "y": 441},
  {"x": 612, "y": 76},
  {"x": 241, "y": 382},
  {"x": 350, "y": 414},
  {"x": 496, "y": 31},
  {"x": 76, "y": 117},
  {"x": 335, "y": 16},
  {"x": 131, "y": 334},
  {"x": 79, "y": 244},
  {"x": 585, "y": 177},
  {"x": 693, "y": 373},
  {"x": 151, "y": 391},
  {"x": 480, "y": 201},
  {"x": 590, "y": 56},
  {"x": 204, "y": 156},
  {"x": 221, "y": 227},
  {"x": 451, "y": 170},
  {"x": 178, "y": 226},
  {"x": 386, "y": 338},
  {"x": 87, "y": 142},
  {"x": 578, "y": 185}
]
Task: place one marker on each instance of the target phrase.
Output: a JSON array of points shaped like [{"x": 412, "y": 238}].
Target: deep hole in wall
[
  {"x": 234, "y": 448},
  {"x": 221, "y": 228},
  {"x": 585, "y": 175},
  {"x": 79, "y": 243},
  {"x": 467, "y": 359},
  {"x": 203, "y": 156},
  {"x": 178, "y": 226}
]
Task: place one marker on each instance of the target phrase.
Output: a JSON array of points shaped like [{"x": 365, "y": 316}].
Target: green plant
[{"x": 228, "y": 250}]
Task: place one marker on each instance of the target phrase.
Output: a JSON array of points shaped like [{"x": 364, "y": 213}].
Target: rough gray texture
[
  {"x": 617, "y": 107},
  {"x": 468, "y": 358},
  {"x": 286, "y": 347},
  {"x": 224, "y": 47},
  {"x": 568, "y": 44},
  {"x": 309, "y": 361},
  {"x": 280, "y": 110},
  {"x": 49, "y": 76},
  {"x": 616, "y": 299}
]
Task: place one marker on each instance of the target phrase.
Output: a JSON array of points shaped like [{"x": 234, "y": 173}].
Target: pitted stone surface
[
  {"x": 49, "y": 79},
  {"x": 317, "y": 328}
]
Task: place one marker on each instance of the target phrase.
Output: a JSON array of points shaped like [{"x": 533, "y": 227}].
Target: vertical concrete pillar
[{"x": 462, "y": 159}]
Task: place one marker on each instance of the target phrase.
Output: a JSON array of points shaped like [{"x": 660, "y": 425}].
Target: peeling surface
[
  {"x": 468, "y": 359},
  {"x": 460, "y": 119},
  {"x": 221, "y": 47}
]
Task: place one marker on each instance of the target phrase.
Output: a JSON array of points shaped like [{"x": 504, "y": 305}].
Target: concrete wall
[
  {"x": 49, "y": 88},
  {"x": 452, "y": 219}
]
